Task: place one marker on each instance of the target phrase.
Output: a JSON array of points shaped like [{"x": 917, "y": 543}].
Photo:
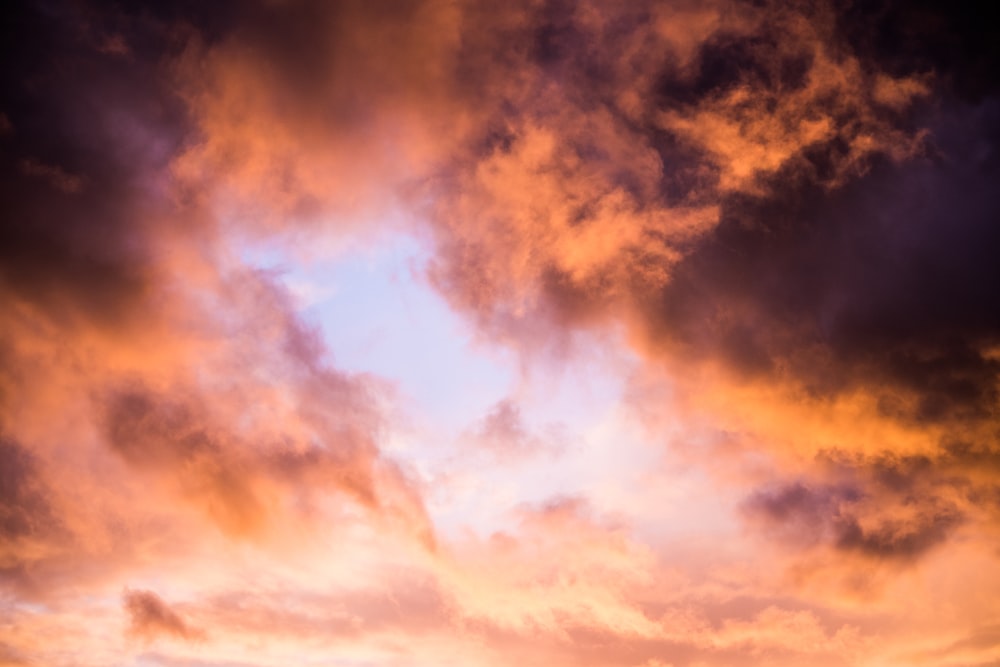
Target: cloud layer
[{"x": 773, "y": 222}]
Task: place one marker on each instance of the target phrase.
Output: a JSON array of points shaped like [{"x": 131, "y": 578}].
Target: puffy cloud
[{"x": 786, "y": 209}]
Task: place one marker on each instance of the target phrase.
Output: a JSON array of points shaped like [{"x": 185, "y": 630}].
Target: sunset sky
[{"x": 534, "y": 333}]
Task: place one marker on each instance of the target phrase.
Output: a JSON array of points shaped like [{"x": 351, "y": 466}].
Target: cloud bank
[{"x": 782, "y": 215}]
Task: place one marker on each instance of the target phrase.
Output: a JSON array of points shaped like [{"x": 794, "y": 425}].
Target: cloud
[
  {"x": 286, "y": 103},
  {"x": 56, "y": 176},
  {"x": 504, "y": 432},
  {"x": 904, "y": 530},
  {"x": 78, "y": 183},
  {"x": 239, "y": 479},
  {"x": 25, "y": 512},
  {"x": 11, "y": 658},
  {"x": 779, "y": 217},
  {"x": 786, "y": 210},
  {"x": 150, "y": 616},
  {"x": 128, "y": 323}
]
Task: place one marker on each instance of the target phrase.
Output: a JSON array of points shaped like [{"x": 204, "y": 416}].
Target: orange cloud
[
  {"x": 786, "y": 210},
  {"x": 150, "y": 616}
]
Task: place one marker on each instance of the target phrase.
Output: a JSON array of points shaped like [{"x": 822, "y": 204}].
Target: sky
[{"x": 444, "y": 332}]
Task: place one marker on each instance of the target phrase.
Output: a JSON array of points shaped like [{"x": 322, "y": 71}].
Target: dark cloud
[
  {"x": 906, "y": 538},
  {"x": 843, "y": 520},
  {"x": 86, "y": 134},
  {"x": 952, "y": 40},
  {"x": 884, "y": 507},
  {"x": 150, "y": 617},
  {"x": 886, "y": 282}
]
